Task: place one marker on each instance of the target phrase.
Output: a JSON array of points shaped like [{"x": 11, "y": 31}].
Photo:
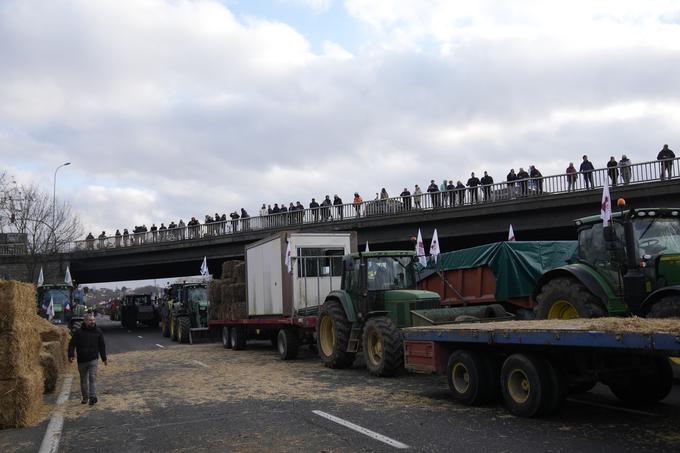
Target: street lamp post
[{"x": 54, "y": 203}]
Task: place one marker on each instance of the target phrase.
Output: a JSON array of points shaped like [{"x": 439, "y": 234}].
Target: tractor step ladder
[
  {"x": 199, "y": 334},
  {"x": 354, "y": 339}
]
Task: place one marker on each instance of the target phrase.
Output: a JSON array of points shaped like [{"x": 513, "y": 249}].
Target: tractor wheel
[
  {"x": 652, "y": 384},
  {"x": 173, "y": 328},
  {"x": 383, "y": 346},
  {"x": 525, "y": 384},
  {"x": 332, "y": 336},
  {"x": 565, "y": 298},
  {"x": 668, "y": 307},
  {"x": 226, "y": 342},
  {"x": 238, "y": 338},
  {"x": 472, "y": 378},
  {"x": 165, "y": 327},
  {"x": 287, "y": 344},
  {"x": 184, "y": 328}
]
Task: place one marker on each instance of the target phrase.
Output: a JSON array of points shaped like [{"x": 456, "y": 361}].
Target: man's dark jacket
[{"x": 88, "y": 343}]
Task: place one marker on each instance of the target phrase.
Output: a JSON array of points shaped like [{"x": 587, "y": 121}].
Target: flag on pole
[
  {"x": 511, "y": 234},
  {"x": 367, "y": 249},
  {"x": 50, "y": 309},
  {"x": 41, "y": 278},
  {"x": 434, "y": 246},
  {"x": 420, "y": 250},
  {"x": 67, "y": 277},
  {"x": 67, "y": 307},
  {"x": 289, "y": 259},
  {"x": 606, "y": 206},
  {"x": 204, "y": 267}
]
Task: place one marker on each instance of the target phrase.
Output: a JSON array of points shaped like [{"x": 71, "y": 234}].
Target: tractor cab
[
  {"x": 195, "y": 301},
  {"x": 61, "y": 298}
]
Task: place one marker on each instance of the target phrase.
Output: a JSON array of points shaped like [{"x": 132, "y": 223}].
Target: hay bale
[
  {"x": 239, "y": 291},
  {"x": 59, "y": 352},
  {"x": 17, "y": 302},
  {"x": 48, "y": 331},
  {"x": 19, "y": 349},
  {"x": 239, "y": 272},
  {"x": 21, "y": 400},
  {"x": 239, "y": 310},
  {"x": 228, "y": 294},
  {"x": 50, "y": 369},
  {"x": 228, "y": 268},
  {"x": 228, "y": 280}
]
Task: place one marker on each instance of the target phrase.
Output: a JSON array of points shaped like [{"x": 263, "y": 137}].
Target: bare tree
[{"x": 28, "y": 212}]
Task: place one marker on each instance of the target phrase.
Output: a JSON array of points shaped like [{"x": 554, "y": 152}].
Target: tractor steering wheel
[{"x": 648, "y": 243}]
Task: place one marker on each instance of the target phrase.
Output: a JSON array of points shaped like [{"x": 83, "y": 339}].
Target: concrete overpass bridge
[{"x": 385, "y": 224}]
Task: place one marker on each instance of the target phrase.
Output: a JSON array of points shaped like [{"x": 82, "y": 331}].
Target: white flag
[
  {"x": 289, "y": 259},
  {"x": 67, "y": 277},
  {"x": 367, "y": 249},
  {"x": 511, "y": 234},
  {"x": 50, "y": 309},
  {"x": 41, "y": 278},
  {"x": 606, "y": 206},
  {"x": 420, "y": 250},
  {"x": 204, "y": 267},
  {"x": 434, "y": 246}
]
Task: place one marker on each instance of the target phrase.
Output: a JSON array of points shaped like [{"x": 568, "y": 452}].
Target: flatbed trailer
[{"x": 534, "y": 365}]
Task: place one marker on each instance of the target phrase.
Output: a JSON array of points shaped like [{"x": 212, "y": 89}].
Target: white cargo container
[
  {"x": 283, "y": 305},
  {"x": 316, "y": 260}
]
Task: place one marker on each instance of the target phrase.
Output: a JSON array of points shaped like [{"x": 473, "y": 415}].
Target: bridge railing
[{"x": 641, "y": 173}]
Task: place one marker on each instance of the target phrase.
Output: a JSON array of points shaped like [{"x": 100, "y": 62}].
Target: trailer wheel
[
  {"x": 238, "y": 338},
  {"x": 383, "y": 346},
  {"x": 566, "y": 298},
  {"x": 184, "y": 328},
  {"x": 332, "y": 337},
  {"x": 649, "y": 386},
  {"x": 287, "y": 344},
  {"x": 471, "y": 378},
  {"x": 226, "y": 342},
  {"x": 525, "y": 384}
]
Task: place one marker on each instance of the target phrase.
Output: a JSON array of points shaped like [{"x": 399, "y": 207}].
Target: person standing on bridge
[
  {"x": 486, "y": 181},
  {"x": 88, "y": 345},
  {"x": 118, "y": 236},
  {"x": 613, "y": 170},
  {"x": 586, "y": 170},
  {"x": 624, "y": 166},
  {"x": 472, "y": 184},
  {"x": 537, "y": 178},
  {"x": 666, "y": 157},
  {"x": 571, "y": 177},
  {"x": 522, "y": 177}
]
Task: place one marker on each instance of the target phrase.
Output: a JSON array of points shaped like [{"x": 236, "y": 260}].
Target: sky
[{"x": 169, "y": 109}]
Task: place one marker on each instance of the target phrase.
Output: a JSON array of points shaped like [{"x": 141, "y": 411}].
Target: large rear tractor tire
[
  {"x": 566, "y": 298},
  {"x": 668, "y": 307},
  {"x": 332, "y": 337},
  {"x": 287, "y": 344},
  {"x": 472, "y": 378},
  {"x": 383, "y": 346},
  {"x": 648, "y": 386},
  {"x": 184, "y": 324}
]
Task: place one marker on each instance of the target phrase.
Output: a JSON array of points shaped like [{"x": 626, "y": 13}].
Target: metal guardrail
[{"x": 641, "y": 173}]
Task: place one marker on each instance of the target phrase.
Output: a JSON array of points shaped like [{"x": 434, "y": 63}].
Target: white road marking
[
  {"x": 616, "y": 408},
  {"x": 50, "y": 443},
  {"x": 139, "y": 336},
  {"x": 200, "y": 363},
  {"x": 160, "y": 345},
  {"x": 362, "y": 430}
]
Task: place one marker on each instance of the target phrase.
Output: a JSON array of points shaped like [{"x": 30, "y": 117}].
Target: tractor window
[
  {"x": 387, "y": 273},
  {"x": 655, "y": 235},
  {"x": 59, "y": 296},
  {"x": 197, "y": 294},
  {"x": 318, "y": 262}
]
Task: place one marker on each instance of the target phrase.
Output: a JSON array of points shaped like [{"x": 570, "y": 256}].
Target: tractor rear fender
[
  {"x": 657, "y": 295},
  {"x": 346, "y": 302},
  {"x": 581, "y": 273}
]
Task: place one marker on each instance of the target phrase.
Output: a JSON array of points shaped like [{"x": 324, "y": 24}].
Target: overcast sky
[{"x": 169, "y": 109}]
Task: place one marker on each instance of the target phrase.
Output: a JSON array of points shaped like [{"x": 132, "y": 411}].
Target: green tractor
[
  {"x": 376, "y": 299},
  {"x": 630, "y": 267},
  {"x": 137, "y": 308},
  {"x": 184, "y": 312}
]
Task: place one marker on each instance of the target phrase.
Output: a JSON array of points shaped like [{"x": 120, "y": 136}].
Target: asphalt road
[{"x": 158, "y": 396}]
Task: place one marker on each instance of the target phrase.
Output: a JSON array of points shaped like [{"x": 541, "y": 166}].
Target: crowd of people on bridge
[{"x": 446, "y": 194}]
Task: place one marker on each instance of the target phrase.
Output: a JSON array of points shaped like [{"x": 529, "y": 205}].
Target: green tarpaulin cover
[{"x": 517, "y": 265}]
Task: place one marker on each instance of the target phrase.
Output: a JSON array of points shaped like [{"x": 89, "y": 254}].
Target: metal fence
[{"x": 545, "y": 186}]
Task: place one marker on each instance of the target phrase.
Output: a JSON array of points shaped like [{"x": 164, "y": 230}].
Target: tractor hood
[{"x": 669, "y": 268}]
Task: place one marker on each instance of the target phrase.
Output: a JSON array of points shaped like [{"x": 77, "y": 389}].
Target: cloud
[{"x": 172, "y": 109}]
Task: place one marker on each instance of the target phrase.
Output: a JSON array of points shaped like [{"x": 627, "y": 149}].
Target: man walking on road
[{"x": 88, "y": 344}]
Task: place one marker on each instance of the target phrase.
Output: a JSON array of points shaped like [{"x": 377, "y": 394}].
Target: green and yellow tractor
[{"x": 184, "y": 311}]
